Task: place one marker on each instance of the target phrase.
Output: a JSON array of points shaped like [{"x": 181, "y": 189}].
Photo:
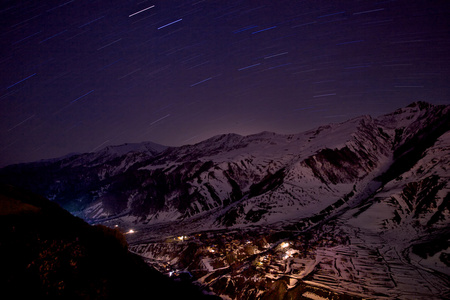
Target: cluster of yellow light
[{"x": 284, "y": 244}]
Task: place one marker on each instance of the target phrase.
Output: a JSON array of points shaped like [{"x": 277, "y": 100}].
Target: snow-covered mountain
[
  {"x": 259, "y": 178},
  {"x": 356, "y": 209},
  {"x": 78, "y": 180}
]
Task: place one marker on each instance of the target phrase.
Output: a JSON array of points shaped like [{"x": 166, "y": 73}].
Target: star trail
[{"x": 80, "y": 75}]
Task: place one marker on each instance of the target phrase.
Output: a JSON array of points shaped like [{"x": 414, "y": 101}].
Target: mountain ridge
[{"x": 147, "y": 180}]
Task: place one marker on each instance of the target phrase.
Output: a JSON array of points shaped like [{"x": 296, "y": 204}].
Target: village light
[{"x": 284, "y": 244}]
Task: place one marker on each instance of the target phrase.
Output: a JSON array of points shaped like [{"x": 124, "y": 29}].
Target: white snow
[{"x": 207, "y": 264}]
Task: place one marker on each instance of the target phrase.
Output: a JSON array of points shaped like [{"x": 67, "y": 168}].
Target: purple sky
[{"x": 80, "y": 75}]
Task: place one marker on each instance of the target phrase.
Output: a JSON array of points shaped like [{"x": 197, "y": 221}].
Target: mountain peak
[
  {"x": 123, "y": 149},
  {"x": 421, "y": 105}
]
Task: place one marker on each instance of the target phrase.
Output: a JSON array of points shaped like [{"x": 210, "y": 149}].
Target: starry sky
[{"x": 79, "y": 75}]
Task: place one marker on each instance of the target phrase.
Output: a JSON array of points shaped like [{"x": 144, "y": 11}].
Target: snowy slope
[
  {"x": 391, "y": 243},
  {"x": 399, "y": 238}
]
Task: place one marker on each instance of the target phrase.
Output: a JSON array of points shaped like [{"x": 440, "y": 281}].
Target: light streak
[
  {"x": 55, "y": 35},
  {"x": 141, "y": 11},
  {"x": 248, "y": 67},
  {"x": 304, "y": 24},
  {"x": 409, "y": 86},
  {"x": 132, "y": 72},
  {"x": 271, "y": 68},
  {"x": 81, "y": 96},
  {"x": 171, "y": 23},
  {"x": 20, "y": 81},
  {"x": 99, "y": 147},
  {"x": 109, "y": 65},
  {"x": 201, "y": 81},
  {"x": 160, "y": 119},
  {"x": 109, "y": 44},
  {"x": 275, "y": 55},
  {"x": 329, "y": 15},
  {"x": 90, "y": 22},
  {"x": 368, "y": 11},
  {"x": 17, "y": 125},
  {"x": 264, "y": 29},
  {"x": 324, "y": 95},
  {"x": 357, "y": 67},
  {"x": 351, "y": 42},
  {"x": 245, "y": 28},
  {"x": 27, "y": 37}
]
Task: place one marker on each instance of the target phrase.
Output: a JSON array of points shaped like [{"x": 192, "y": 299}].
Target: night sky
[{"x": 77, "y": 76}]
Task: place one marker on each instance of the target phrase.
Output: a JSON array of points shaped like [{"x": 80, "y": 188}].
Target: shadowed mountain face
[{"x": 45, "y": 252}]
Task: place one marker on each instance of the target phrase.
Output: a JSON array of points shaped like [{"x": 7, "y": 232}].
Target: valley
[{"x": 333, "y": 261}]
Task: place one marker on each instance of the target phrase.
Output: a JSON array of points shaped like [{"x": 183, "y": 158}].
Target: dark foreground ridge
[{"x": 45, "y": 252}]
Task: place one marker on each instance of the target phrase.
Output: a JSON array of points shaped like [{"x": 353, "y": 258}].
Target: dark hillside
[{"x": 45, "y": 252}]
